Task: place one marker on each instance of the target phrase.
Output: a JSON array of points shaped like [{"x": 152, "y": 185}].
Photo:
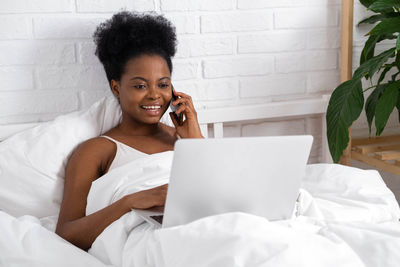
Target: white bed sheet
[
  {"x": 346, "y": 217},
  {"x": 29, "y": 241}
]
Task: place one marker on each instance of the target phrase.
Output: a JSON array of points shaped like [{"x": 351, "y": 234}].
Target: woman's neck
[{"x": 135, "y": 128}]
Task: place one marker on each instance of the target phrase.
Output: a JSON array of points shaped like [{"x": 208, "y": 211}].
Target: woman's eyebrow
[
  {"x": 141, "y": 78},
  {"x": 138, "y": 77}
]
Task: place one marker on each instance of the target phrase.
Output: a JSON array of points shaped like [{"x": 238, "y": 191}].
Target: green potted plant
[{"x": 347, "y": 100}]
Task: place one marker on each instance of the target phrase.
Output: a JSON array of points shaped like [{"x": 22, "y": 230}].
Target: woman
[{"x": 136, "y": 52}]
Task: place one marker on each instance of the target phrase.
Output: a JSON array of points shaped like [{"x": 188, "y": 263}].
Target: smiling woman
[
  {"x": 135, "y": 50},
  {"x": 144, "y": 91}
]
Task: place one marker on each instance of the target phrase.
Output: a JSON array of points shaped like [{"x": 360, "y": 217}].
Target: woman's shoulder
[
  {"x": 98, "y": 148},
  {"x": 96, "y": 143},
  {"x": 95, "y": 153}
]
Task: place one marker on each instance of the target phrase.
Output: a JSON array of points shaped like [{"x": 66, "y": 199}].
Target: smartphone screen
[{"x": 178, "y": 117}]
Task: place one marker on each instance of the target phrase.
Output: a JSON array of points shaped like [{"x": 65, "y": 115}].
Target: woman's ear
[{"x": 115, "y": 88}]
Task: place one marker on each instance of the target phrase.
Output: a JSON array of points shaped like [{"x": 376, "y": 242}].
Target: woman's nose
[{"x": 153, "y": 92}]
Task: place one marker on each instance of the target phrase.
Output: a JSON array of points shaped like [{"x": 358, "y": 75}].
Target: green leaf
[
  {"x": 384, "y": 5},
  {"x": 372, "y": 65},
  {"x": 370, "y": 104},
  {"x": 367, "y": 3},
  {"x": 385, "y": 106},
  {"x": 394, "y": 76},
  {"x": 398, "y": 44},
  {"x": 387, "y": 26},
  {"x": 397, "y": 62},
  {"x": 376, "y": 18},
  {"x": 384, "y": 72},
  {"x": 345, "y": 106},
  {"x": 369, "y": 47}
]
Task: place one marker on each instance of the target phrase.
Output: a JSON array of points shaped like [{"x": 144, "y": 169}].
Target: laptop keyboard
[{"x": 158, "y": 218}]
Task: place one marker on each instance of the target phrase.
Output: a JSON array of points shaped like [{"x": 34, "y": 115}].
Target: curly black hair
[{"x": 130, "y": 34}]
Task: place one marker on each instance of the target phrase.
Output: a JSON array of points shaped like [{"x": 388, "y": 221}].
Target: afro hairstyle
[{"x": 130, "y": 34}]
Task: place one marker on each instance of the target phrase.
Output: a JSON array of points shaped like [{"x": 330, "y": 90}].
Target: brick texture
[{"x": 230, "y": 52}]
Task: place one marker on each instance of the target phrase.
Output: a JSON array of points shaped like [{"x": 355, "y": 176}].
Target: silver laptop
[{"x": 256, "y": 175}]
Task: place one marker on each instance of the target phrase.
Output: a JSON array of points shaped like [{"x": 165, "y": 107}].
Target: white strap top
[{"x": 124, "y": 154}]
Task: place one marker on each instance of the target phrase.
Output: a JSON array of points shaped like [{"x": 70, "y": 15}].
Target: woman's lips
[{"x": 152, "y": 110}]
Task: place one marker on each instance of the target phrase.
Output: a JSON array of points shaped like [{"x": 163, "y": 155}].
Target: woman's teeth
[{"x": 151, "y": 107}]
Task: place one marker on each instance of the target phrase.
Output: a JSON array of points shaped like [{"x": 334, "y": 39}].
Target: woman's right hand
[
  {"x": 148, "y": 198},
  {"x": 189, "y": 128}
]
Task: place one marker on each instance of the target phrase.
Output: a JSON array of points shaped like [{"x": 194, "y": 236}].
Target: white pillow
[{"x": 32, "y": 162}]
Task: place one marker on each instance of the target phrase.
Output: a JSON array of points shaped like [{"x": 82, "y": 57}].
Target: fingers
[
  {"x": 185, "y": 105},
  {"x": 161, "y": 189},
  {"x": 182, "y": 108},
  {"x": 158, "y": 195},
  {"x": 162, "y": 193},
  {"x": 149, "y": 198},
  {"x": 183, "y": 99},
  {"x": 189, "y": 127},
  {"x": 182, "y": 95}
]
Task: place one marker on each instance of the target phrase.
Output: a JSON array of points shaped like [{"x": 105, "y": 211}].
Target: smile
[{"x": 150, "y": 107}]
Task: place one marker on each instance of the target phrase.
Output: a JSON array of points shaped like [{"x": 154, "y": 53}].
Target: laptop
[{"x": 256, "y": 175}]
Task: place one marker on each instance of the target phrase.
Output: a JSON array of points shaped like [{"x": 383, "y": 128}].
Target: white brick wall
[
  {"x": 238, "y": 21},
  {"x": 238, "y": 66},
  {"x": 15, "y": 27},
  {"x": 272, "y": 85},
  {"x": 231, "y": 52},
  {"x": 195, "y": 5},
  {"x": 306, "y": 17},
  {"x": 36, "y": 6},
  {"x": 267, "y": 42},
  {"x": 65, "y": 27},
  {"x": 90, "y": 6}
]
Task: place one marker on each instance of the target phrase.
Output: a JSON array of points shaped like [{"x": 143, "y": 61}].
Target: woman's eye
[
  {"x": 140, "y": 86},
  {"x": 164, "y": 85}
]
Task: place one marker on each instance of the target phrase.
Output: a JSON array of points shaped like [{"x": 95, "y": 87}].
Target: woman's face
[{"x": 144, "y": 90}]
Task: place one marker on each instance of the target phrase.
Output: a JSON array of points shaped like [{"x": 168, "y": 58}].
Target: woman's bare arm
[{"x": 85, "y": 166}]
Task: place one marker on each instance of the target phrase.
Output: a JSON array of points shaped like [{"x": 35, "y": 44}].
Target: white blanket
[
  {"x": 345, "y": 217},
  {"x": 29, "y": 241}
]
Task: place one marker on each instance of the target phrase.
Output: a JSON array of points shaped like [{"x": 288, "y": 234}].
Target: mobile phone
[{"x": 178, "y": 117}]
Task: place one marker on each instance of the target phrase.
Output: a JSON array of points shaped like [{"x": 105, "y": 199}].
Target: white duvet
[{"x": 345, "y": 217}]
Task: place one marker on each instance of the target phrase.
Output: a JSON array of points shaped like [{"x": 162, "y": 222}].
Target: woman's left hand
[{"x": 189, "y": 128}]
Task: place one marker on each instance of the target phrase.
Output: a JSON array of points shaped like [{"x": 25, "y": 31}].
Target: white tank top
[{"x": 124, "y": 154}]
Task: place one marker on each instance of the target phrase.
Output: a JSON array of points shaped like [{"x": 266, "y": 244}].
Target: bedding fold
[
  {"x": 334, "y": 201},
  {"x": 28, "y": 241}
]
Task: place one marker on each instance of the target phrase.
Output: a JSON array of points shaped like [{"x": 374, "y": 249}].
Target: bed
[{"x": 344, "y": 216}]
